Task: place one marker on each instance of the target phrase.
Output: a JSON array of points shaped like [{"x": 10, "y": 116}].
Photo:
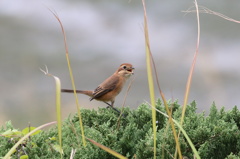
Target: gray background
[{"x": 103, "y": 34}]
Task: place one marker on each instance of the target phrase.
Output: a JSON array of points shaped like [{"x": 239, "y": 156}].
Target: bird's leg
[{"x": 111, "y": 106}]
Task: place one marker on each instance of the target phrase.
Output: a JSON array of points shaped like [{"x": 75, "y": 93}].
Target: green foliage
[
  {"x": 215, "y": 136},
  {"x": 13, "y": 136}
]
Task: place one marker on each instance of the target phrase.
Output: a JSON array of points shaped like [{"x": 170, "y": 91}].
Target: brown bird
[{"x": 110, "y": 88}]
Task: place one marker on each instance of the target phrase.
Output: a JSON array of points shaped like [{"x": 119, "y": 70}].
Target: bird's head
[{"x": 125, "y": 70}]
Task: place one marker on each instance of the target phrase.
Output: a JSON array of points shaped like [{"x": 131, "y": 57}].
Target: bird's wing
[{"x": 105, "y": 87}]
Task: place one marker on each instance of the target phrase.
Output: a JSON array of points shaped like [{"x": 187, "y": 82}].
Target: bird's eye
[{"x": 124, "y": 67}]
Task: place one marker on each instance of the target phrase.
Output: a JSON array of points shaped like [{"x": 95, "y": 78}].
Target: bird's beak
[{"x": 131, "y": 70}]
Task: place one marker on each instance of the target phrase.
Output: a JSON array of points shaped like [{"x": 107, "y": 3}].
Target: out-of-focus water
[{"x": 101, "y": 36}]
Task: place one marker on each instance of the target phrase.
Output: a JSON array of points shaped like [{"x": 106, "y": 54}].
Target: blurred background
[{"x": 103, "y": 34}]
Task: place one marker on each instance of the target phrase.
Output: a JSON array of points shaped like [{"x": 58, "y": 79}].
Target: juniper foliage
[{"x": 215, "y": 136}]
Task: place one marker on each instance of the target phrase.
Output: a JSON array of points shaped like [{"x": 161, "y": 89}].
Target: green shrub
[{"x": 215, "y": 136}]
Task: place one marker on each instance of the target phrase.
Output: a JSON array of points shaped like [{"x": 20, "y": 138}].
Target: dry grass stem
[{"x": 203, "y": 9}]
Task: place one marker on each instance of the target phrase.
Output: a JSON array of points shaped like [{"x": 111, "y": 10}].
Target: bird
[{"x": 109, "y": 88}]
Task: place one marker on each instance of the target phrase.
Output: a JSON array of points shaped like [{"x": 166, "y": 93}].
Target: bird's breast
[{"x": 110, "y": 96}]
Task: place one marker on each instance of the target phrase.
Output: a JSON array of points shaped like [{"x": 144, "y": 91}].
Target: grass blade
[
  {"x": 192, "y": 67},
  {"x": 72, "y": 79},
  {"x": 58, "y": 105},
  {"x": 208, "y": 11},
  {"x": 150, "y": 78},
  {"x": 114, "y": 153},
  {"x": 189, "y": 81},
  {"x": 150, "y": 60},
  {"x": 124, "y": 101},
  {"x": 183, "y": 131}
]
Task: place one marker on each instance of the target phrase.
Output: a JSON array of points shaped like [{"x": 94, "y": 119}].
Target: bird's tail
[{"x": 88, "y": 93}]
